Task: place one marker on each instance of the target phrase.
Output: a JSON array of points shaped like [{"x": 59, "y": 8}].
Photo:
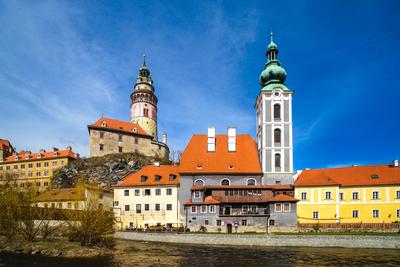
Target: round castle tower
[{"x": 144, "y": 102}]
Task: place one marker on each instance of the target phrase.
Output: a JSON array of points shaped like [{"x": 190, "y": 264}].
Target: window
[
  {"x": 137, "y": 192},
  {"x": 143, "y": 178},
  {"x": 341, "y": 196},
  {"x": 225, "y": 182},
  {"x": 126, "y": 192},
  {"x": 271, "y": 222},
  {"x": 138, "y": 208},
  {"x": 62, "y": 163},
  {"x": 30, "y": 174},
  {"x": 22, "y": 166},
  {"x": 169, "y": 206},
  {"x": 45, "y": 173},
  {"x": 7, "y": 168},
  {"x": 278, "y": 207},
  {"x": 120, "y": 138},
  {"x": 158, "y": 192},
  {"x": 120, "y": 149},
  {"x": 277, "y": 111},
  {"x": 203, "y": 209},
  {"x": 375, "y": 195},
  {"x": 101, "y": 135},
  {"x": 136, "y": 140},
  {"x": 172, "y": 177},
  {"x": 46, "y": 183},
  {"x": 244, "y": 222},
  {"x": 219, "y": 223},
  {"x": 116, "y": 203},
  {"x": 205, "y": 222},
  {"x": 355, "y": 196},
  {"x": 54, "y": 163},
  {"x": 197, "y": 194},
  {"x": 277, "y": 161},
  {"x": 157, "y": 207},
  {"x": 127, "y": 207},
  {"x": 38, "y": 174},
  {"x": 194, "y": 210},
  {"x": 398, "y": 213},
  {"x": 147, "y": 192},
  {"x": 37, "y": 184},
  {"x": 30, "y": 165},
  {"x": 251, "y": 182},
  {"x": 355, "y": 213},
  {"x": 303, "y": 195},
  {"x": 101, "y": 147},
  {"x": 38, "y": 164},
  {"x": 169, "y": 191},
  {"x": 76, "y": 205},
  {"x": 60, "y": 205},
  {"x": 286, "y": 207},
  {"x": 212, "y": 209},
  {"x": 15, "y": 167},
  {"x": 315, "y": 215},
  {"x": 328, "y": 195},
  {"x": 398, "y": 194},
  {"x": 375, "y": 213},
  {"x": 69, "y": 205},
  {"x": 146, "y": 112},
  {"x": 146, "y": 207},
  {"x": 277, "y": 136},
  {"x": 46, "y": 164},
  {"x": 157, "y": 178},
  {"x": 245, "y": 208},
  {"x": 199, "y": 182},
  {"x": 253, "y": 208}
]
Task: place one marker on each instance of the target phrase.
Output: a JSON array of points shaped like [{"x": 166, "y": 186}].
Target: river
[{"x": 131, "y": 253}]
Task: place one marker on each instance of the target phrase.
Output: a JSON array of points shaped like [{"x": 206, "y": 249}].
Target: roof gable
[
  {"x": 116, "y": 125},
  {"x": 152, "y": 175}
]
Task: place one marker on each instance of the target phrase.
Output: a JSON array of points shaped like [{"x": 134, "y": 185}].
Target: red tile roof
[
  {"x": 350, "y": 176},
  {"x": 117, "y": 125},
  {"x": 282, "y": 198},
  {"x": 196, "y": 158},
  {"x": 278, "y": 187},
  {"x": 67, "y": 153},
  {"x": 150, "y": 171},
  {"x": 5, "y": 143},
  {"x": 209, "y": 200}
]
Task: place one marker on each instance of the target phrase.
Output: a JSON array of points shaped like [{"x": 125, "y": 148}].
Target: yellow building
[
  {"x": 148, "y": 198},
  {"x": 27, "y": 170},
  {"x": 357, "y": 194},
  {"x": 74, "y": 198}
]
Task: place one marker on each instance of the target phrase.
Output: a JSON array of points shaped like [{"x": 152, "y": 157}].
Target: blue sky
[{"x": 63, "y": 64}]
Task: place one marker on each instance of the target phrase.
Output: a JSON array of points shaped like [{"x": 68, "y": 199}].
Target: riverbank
[
  {"x": 344, "y": 241},
  {"x": 53, "y": 248}
]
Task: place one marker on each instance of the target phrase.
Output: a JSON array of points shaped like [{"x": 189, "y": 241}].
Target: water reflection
[{"x": 130, "y": 253}]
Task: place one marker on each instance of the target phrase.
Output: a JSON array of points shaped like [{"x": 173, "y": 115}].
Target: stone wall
[{"x": 392, "y": 242}]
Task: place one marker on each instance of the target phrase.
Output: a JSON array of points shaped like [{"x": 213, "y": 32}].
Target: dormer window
[
  {"x": 199, "y": 166},
  {"x": 374, "y": 176},
  {"x": 134, "y": 130},
  {"x": 55, "y": 153},
  {"x": 157, "y": 178},
  {"x": 143, "y": 178},
  {"x": 230, "y": 167},
  {"x": 16, "y": 157},
  {"x": 39, "y": 155},
  {"x": 27, "y": 156},
  {"x": 172, "y": 177},
  {"x": 104, "y": 124}
]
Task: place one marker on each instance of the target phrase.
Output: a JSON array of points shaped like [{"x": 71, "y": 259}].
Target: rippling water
[{"x": 130, "y": 253}]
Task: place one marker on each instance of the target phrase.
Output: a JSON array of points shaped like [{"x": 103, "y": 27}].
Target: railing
[
  {"x": 260, "y": 212},
  {"x": 351, "y": 225}
]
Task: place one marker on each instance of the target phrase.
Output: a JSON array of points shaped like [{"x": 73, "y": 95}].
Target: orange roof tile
[
  {"x": 209, "y": 200},
  {"x": 150, "y": 171},
  {"x": 116, "y": 125},
  {"x": 63, "y": 194},
  {"x": 282, "y": 198},
  {"x": 22, "y": 156},
  {"x": 4, "y": 143},
  {"x": 278, "y": 187},
  {"x": 350, "y": 176},
  {"x": 196, "y": 158}
]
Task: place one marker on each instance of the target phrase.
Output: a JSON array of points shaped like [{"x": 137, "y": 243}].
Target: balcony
[{"x": 240, "y": 213}]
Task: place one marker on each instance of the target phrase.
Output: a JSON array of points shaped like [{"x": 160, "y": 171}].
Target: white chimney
[
  {"x": 211, "y": 139},
  {"x": 164, "y": 138},
  {"x": 231, "y": 139},
  {"x": 157, "y": 164},
  {"x": 395, "y": 163}
]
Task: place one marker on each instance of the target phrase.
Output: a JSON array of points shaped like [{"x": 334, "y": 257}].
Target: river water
[{"x": 130, "y": 253}]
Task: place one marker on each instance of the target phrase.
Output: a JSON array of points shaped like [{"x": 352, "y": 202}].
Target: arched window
[
  {"x": 277, "y": 161},
  {"x": 277, "y": 136},
  {"x": 251, "y": 181},
  {"x": 199, "y": 182},
  {"x": 225, "y": 182},
  {"x": 277, "y": 112}
]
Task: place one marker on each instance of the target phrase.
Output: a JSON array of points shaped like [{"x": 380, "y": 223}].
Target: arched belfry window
[
  {"x": 277, "y": 112},
  {"x": 199, "y": 182},
  {"x": 225, "y": 182},
  {"x": 277, "y": 162},
  {"x": 277, "y": 136}
]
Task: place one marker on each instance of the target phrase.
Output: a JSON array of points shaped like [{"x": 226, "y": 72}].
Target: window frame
[
  {"x": 223, "y": 180},
  {"x": 315, "y": 215},
  {"x": 375, "y": 212},
  {"x": 251, "y": 179},
  {"x": 303, "y": 194}
]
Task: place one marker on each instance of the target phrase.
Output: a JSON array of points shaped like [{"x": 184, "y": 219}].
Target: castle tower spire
[{"x": 144, "y": 101}]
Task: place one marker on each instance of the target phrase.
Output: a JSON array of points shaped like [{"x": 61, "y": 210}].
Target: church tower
[
  {"x": 144, "y": 102},
  {"x": 274, "y": 121}
]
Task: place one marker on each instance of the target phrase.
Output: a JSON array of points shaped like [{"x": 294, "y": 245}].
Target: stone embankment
[{"x": 345, "y": 241}]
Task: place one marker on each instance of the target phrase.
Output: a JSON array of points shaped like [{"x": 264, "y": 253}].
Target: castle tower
[
  {"x": 274, "y": 121},
  {"x": 144, "y": 102}
]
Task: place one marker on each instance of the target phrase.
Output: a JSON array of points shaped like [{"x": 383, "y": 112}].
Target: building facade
[
  {"x": 108, "y": 136},
  {"x": 26, "y": 170},
  {"x": 274, "y": 122},
  {"x": 221, "y": 187},
  {"x": 148, "y": 198},
  {"x": 357, "y": 194},
  {"x": 6, "y": 149}
]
